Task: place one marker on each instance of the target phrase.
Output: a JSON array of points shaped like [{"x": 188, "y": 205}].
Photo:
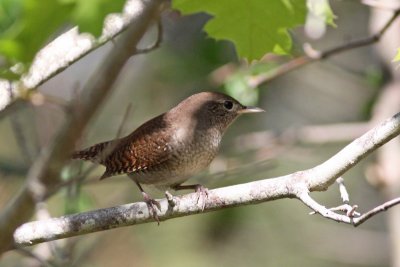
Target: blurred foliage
[
  {"x": 237, "y": 85},
  {"x": 11, "y": 167},
  {"x": 322, "y": 9},
  {"x": 374, "y": 77},
  {"x": 223, "y": 225},
  {"x": 255, "y": 27},
  {"x": 76, "y": 199},
  {"x": 204, "y": 56},
  {"x": 89, "y": 14},
  {"x": 26, "y": 25}
]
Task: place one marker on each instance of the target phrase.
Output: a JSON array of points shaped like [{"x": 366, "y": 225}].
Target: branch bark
[
  {"x": 62, "y": 52},
  {"x": 295, "y": 185},
  {"x": 42, "y": 175}
]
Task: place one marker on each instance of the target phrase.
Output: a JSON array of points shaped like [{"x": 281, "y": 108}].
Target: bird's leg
[
  {"x": 202, "y": 192},
  {"x": 151, "y": 203}
]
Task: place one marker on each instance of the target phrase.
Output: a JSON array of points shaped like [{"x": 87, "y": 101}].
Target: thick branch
[
  {"x": 46, "y": 168},
  {"x": 298, "y": 185}
]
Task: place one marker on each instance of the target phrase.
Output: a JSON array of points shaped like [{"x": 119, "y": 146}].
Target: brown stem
[{"x": 304, "y": 60}]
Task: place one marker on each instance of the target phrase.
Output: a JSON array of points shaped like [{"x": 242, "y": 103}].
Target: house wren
[{"x": 166, "y": 150}]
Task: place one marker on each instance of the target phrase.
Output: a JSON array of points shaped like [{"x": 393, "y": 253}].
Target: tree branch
[
  {"x": 64, "y": 51},
  {"x": 296, "y": 185},
  {"x": 301, "y": 61},
  {"x": 385, "y": 206},
  {"x": 44, "y": 172}
]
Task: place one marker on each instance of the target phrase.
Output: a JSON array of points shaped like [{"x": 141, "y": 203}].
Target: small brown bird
[{"x": 168, "y": 149}]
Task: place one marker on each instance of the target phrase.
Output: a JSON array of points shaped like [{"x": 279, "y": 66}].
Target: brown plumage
[
  {"x": 168, "y": 149},
  {"x": 140, "y": 151}
]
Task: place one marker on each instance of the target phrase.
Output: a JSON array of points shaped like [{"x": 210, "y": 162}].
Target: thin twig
[
  {"x": 349, "y": 218},
  {"x": 318, "y": 208},
  {"x": 301, "y": 61},
  {"x": 343, "y": 191},
  {"x": 350, "y": 210},
  {"x": 374, "y": 211},
  {"x": 123, "y": 121},
  {"x": 19, "y": 133}
]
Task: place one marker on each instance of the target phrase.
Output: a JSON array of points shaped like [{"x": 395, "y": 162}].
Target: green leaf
[
  {"x": 10, "y": 11},
  {"x": 26, "y": 25},
  {"x": 256, "y": 27},
  {"x": 237, "y": 87},
  {"x": 90, "y": 14},
  {"x": 238, "y": 84},
  {"x": 12, "y": 48},
  {"x": 29, "y": 26}
]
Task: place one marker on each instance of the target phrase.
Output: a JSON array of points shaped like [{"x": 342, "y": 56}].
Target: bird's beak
[{"x": 250, "y": 110}]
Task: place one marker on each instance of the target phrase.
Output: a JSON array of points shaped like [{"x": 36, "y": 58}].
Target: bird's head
[{"x": 212, "y": 110}]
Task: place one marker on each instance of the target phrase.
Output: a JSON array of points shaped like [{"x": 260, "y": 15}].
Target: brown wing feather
[{"x": 144, "y": 149}]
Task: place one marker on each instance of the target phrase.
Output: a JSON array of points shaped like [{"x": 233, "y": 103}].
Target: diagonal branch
[
  {"x": 301, "y": 61},
  {"x": 385, "y": 206},
  {"x": 295, "y": 185},
  {"x": 64, "y": 51},
  {"x": 43, "y": 173}
]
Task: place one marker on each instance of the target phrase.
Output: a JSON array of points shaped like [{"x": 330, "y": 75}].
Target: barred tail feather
[{"x": 93, "y": 153}]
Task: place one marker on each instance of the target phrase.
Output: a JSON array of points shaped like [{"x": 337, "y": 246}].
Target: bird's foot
[
  {"x": 152, "y": 205},
  {"x": 202, "y": 192}
]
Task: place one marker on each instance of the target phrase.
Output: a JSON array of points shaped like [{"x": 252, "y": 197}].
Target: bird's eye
[{"x": 228, "y": 104}]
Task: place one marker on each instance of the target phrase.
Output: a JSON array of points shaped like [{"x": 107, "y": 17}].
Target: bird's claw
[
  {"x": 200, "y": 190},
  {"x": 152, "y": 204},
  {"x": 172, "y": 201}
]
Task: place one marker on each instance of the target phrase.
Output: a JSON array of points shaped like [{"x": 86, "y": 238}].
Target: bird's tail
[{"x": 95, "y": 153}]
